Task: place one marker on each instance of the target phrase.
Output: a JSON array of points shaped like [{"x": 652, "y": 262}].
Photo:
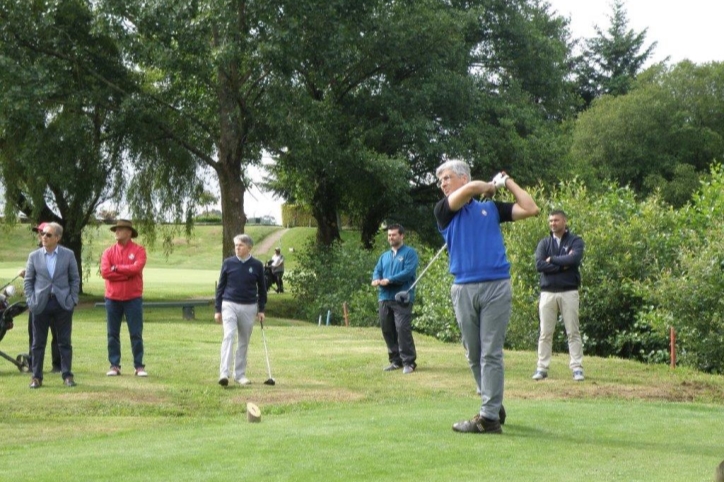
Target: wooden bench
[{"x": 187, "y": 306}]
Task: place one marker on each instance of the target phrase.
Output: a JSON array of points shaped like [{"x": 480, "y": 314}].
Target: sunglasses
[{"x": 46, "y": 234}]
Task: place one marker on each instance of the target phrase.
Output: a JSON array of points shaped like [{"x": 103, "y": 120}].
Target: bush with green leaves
[
  {"x": 646, "y": 267},
  {"x": 433, "y": 311},
  {"x": 688, "y": 294},
  {"x": 627, "y": 241},
  {"x": 328, "y": 277}
]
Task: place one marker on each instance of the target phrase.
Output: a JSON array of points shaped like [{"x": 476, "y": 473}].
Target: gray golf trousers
[{"x": 483, "y": 312}]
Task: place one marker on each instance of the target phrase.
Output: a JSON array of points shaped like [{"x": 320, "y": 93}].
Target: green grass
[
  {"x": 201, "y": 251},
  {"x": 334, "y": 415},
  {"x": 294, "y": 241}
]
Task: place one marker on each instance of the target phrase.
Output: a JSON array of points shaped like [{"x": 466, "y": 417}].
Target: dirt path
[{"x": 269, "y": 242}]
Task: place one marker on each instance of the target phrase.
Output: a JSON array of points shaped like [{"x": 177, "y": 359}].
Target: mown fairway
[{"x": 334, "y": 415}]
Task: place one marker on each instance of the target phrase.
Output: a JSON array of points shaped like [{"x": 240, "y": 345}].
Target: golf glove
[{"x": 499, "y": 180}]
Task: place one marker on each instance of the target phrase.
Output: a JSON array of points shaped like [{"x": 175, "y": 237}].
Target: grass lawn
[{"x": 333, "y": 415}]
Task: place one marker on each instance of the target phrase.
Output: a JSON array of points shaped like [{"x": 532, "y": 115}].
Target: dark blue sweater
[
  {"x": 561, "y": 274},
  {"x": 241, "y": 282}
]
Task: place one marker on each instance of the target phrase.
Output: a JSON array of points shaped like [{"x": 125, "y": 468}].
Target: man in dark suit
[
  {"x": 52, "y": 285},
  {"x": 54, "y": 344}
]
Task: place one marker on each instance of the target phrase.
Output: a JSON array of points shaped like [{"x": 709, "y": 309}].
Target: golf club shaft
[
  {"x": 427, "y": 267},
  {"x": 9, "y": 283},
  {"x": 266, "y": 352}
]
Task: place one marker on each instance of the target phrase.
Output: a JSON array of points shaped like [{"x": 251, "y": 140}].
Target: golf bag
[
  {"x": 7, "y": 313},
  {"x": 269, "y": 278}
]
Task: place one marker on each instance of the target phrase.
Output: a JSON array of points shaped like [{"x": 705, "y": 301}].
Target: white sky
[
  {"x": 683, "y": 29},
  {"x": 689, "y": 29}
]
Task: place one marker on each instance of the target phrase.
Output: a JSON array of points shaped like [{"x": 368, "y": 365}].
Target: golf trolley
[
  {"x": 7, "y": 313},
  {"x": 269, "y": 278}
]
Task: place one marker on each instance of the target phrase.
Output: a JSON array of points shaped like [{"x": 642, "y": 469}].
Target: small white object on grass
[{"x": 253, "y": 414}]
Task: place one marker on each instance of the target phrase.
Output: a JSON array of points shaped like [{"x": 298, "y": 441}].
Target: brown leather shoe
[
  {"x": 36, "y": 383},
  {"x": 69, "y": 382},
  {"x": 478, "y": 424}
]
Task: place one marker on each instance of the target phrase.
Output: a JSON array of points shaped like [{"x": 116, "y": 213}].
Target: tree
[
  {"x": 205, "y": 72},
  {"x": 70, "y": 137},
  {"x": 610, "y": 63},
  {"x": 664, "y": 134},
  {"x": 376, "y": 95},
  {"x": 60, "y": 150}
]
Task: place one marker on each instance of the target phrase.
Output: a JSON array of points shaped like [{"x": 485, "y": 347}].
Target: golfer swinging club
[{"x": 481, "y": 292}]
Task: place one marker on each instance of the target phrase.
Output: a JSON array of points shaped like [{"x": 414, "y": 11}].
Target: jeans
[{"x": 133, "y": 309}]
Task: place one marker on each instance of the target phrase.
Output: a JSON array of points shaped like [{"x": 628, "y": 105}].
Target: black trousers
[
  {"x": 53, "y": 315},
  {"x": 53, "y": 344},
  {"x": 278, "y": 281},
  {"x": 396, "y": 323}
]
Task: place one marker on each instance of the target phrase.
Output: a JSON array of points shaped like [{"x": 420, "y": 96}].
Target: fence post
[
  {"x": 346, "y": 314},
  {"x": 672, "y": 346}
]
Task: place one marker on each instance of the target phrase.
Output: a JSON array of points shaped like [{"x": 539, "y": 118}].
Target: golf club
[
  {"x": 270, "y": 380},
  {"x": 9, "y": 283},
  {"x": 404, "y": 296}
]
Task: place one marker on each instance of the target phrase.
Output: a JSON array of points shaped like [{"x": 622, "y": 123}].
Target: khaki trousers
[{"x": 551, "y": 305}]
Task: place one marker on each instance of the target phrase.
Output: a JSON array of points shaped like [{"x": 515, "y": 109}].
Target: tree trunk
[
  {"x": 234, "y": 126},
  {"x": 370, "y": 227},
  {"x": 324, "y": 210},
  {"x": 74, "y": 242},
  {"x": 233, "y": 218}
]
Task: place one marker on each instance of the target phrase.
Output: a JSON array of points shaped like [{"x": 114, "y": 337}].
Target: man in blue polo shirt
[
  {"x": 481, "y": 292},
  {"x": 395, "y": 272}
]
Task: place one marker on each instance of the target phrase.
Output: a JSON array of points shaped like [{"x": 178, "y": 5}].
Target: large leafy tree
[
  {"x": 611, "y": 61},
  {"x": 664, "y": 134},
  {"x": 205, "y": 74},
  {"x": 377, "y": 94},
  {"x": 73, "y": 134},
  {"x": 60, "y": 149}
]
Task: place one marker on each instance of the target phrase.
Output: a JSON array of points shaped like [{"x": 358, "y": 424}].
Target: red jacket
[{"x": 122, "y": 268}]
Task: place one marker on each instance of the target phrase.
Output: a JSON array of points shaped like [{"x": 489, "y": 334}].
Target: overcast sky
[{"x": 683, "y": 29}]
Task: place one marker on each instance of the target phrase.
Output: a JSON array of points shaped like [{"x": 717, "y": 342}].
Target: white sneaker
[
  {"x": 113, "y": 372},
  {"x": 539, "y": 375},
  {"x": 578, "y": 375},
  {"x": 140, "y": 372},
  {"x": 244, "y": 381}
]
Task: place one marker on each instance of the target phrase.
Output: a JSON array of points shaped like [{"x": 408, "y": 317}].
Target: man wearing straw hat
[{"x": 122, "y": 268}]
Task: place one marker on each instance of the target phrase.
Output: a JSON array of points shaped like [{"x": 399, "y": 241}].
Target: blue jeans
[{"x": 133, "y": 309}]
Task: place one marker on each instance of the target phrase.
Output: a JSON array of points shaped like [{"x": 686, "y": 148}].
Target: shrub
[
  {"x": 646, "y": 267},
  {"x": 688, "y": 294},
  {"x": 327, "y": 277}
]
